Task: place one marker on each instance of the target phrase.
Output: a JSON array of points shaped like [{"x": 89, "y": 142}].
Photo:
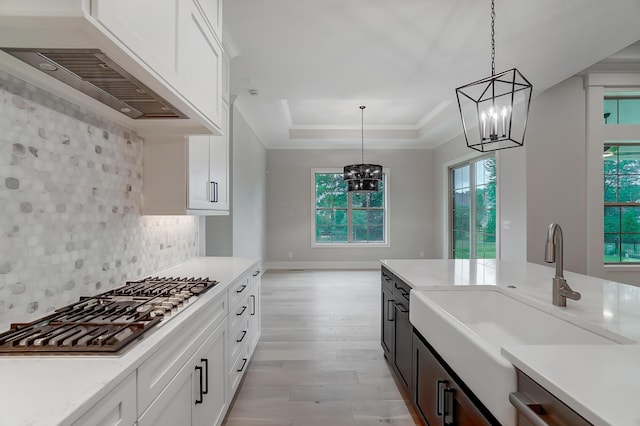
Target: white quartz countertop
[
  {"x": 57, "y": 390},
  {"x": 600, "y": 382}
]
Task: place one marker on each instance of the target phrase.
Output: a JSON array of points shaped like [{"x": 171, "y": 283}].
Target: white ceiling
[{"x": 314, "y": 62}]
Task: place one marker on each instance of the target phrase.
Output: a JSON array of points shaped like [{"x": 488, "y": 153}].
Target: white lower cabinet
[
  {"x": 196, "y": 395},
  {"x": 117, "y": 408},
  {"x": 191, "y": 379}
]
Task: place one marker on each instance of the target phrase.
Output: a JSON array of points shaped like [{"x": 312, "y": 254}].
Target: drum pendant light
[
  {"x": 362, "y": 177},
  {"x": 494, "y": 110}
]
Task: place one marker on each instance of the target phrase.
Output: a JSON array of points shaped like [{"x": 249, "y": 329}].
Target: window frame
[
  {"x": 360, "y": 244},
  {"x": 472, "y": 206},
  {"x": 618, "y": 204}
]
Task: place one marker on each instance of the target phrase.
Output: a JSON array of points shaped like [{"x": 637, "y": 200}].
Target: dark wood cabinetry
[
  {"x": 437, "y": 394},
  {"x": 396, "y": 330},
  {"x": 440, "y": 397}
]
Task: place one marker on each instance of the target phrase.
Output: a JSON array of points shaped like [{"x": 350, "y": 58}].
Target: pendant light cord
[
  {"x": 362, "y": 107},
  {"x": 493, "y": 41}
]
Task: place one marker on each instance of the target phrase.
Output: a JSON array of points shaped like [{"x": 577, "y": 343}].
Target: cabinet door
[
  {"x": 152, "y": 39},
  {"x": 174, "y": 404},
  {"x": 199, "y": 62},
  {"x": 219, "y": 163},
  {"x": 403, "y": 342},
  {"x": 212, "y": 359},
  {"x": 200, "y": 186},
  {"x": 437, "y": 397},
  {"x": 388, "y": 326},
  {"x": 118, "y": 408}
]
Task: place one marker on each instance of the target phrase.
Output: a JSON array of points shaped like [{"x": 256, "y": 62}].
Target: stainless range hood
[{"x": 93, "y": 73}]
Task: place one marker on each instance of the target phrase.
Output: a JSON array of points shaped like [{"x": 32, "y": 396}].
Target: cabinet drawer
[
  {"x": 118, "y": 408},
  {"x": 242, "y": 310},
  {"x": 238, "y": 337},
  {"x": 239, "y": 289},
  {"x": 157, "y": 371},
  {"x": 238, "y": 369}
]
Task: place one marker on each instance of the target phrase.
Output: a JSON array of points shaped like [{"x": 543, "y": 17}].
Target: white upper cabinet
[
  {"x": 187, "y": 175},
  {"x": 171, "y": 46},
  {"x": 153, "y": 38},
  {"x": 199, "y": 61},
  {"x": 208, "y": 185}
]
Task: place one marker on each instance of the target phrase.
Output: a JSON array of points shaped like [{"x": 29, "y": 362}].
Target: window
[
  {"x": 621, "y": 203},
  {"x": 622, "y": 108},
  {"x": 473, "y": 209},
  {"x": 342, "y": 217}
]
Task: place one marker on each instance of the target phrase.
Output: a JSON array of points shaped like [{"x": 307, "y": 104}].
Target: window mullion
[
  {"x": 349, "y": 217},
  {"x": 473, "y": 252}
]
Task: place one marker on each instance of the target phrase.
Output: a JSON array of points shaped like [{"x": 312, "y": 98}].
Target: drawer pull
[
  {"x": 205, "y": 361},
  {"x": 256, "y": 273},
  {"x": 253, "y": 304},
  {"x": 244, "y": 363},
  {"x": 390, "y": 311},
  {"x": 241, "y": 311},
  {"x": 527, "y": 408},
  {"x": 401, "y": 308},
  {"x": 448, "y": 411},
  {"x": 439, "y": 409},
  {"x": 199, "y": 370},
  {"x": 241, "y": 288}
]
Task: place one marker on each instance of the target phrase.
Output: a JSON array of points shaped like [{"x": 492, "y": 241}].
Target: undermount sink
[{"x": 468, "y": 326}]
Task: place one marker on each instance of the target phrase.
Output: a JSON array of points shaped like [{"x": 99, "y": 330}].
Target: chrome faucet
[{"x": 553, "y": 253}]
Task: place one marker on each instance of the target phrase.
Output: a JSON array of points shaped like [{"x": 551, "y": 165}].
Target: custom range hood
[{"x": 96, "y": 75}]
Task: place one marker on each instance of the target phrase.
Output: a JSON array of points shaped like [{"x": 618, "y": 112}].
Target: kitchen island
[
  {"x": 69, "y": 389},
  {"x": 596, "y": 381}
]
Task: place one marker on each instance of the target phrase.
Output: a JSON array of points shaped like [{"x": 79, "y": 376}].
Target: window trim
[
  {"x": 472, "y": 205},
  {"x": 619, "y": 204},
  {"x": 387, "y": 243}
]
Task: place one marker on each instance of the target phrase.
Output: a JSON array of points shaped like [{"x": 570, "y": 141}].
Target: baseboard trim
[{"x": 367, "y": 264}]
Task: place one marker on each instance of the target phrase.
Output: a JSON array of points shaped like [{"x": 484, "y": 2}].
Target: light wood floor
[{"x": 319, "y": 361}]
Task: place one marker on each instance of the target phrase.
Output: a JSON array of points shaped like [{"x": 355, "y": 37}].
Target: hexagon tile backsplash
[{"x": 70, "y": 206}]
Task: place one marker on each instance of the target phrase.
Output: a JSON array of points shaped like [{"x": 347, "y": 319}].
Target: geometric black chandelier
[
  {"x": 494, "y": 110},
  {"x": 362, "y": 177}
]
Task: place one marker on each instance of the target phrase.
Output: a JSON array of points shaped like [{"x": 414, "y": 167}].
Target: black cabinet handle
[
  {"x": 390, "y": 310},
  {"x": 244, "y": 333},
  {"x": 402, "y": 308},
  {"x": 244, "y": 363},
  {"x": 241, "y": 311},
  {"x": 253, "y": 304},
  {"x": 386, "y": 277},
  {"x": 217, "y": 192},
  {"x": 199, "y": 370},
  {"x": 205, "y": 361},
  {"x": 256, "y": 273},
  {"x": 439, "y": 409},
  {"x": 212, "y": 192},
  {"x": 241, "y": 288},
  {"x": 448, "y": 412}
]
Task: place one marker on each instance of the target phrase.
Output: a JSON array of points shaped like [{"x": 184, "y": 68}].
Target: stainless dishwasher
[{"x": 536, "y": 406}]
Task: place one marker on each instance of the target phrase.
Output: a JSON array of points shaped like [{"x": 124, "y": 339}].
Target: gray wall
[
  {"x": 289, "y": 207},
  {"x": 242, "y": 233},
  {"x": 556, "y": 185}
]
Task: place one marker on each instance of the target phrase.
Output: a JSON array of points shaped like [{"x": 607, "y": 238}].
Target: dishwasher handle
[{"x": 524, "y": 406}]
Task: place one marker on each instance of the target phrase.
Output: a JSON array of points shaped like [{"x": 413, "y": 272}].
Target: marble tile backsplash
[{"x": 70, "y": 206}]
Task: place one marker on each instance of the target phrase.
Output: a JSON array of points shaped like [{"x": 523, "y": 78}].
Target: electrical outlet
[
  {"x": 290, "y": 255},
  {"x": 506, "y": 224}
]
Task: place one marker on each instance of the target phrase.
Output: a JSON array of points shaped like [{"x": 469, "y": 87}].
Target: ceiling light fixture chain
[
  {"x": 493, "y": 40},
  {"x": 362, "y": 107}
]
